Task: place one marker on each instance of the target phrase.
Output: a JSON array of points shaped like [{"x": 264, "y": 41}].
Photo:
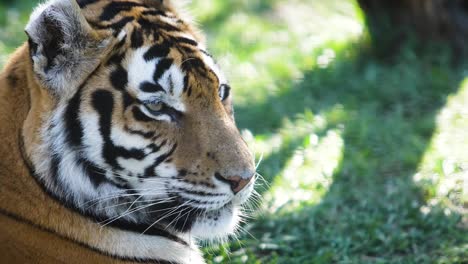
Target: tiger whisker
[
  {"x": 145, "y": 178},
  {"x": 180, "y": 216},
  {"x": 136, "y": 200},
  {"x": 185, "y": 222},
  {"x": 97, "y": 200},
  {"x": 262, "y": 179},
  {"x": 107, "y": 222},
  {"x": 165, "y": 216},
  {"x": 131, "y": 202},
  {"x": 242, "y": 229},
  {"x": 260, "y": 159},
  {"x": 117, "y": 205}
]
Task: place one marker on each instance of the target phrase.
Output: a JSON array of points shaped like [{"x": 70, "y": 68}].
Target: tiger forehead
[
  {"x": 171, "y": 78},
  {"x": 158, "y": 49},
  {"x": 149, "y": 23},
  {"x": 150, "y": 15}
]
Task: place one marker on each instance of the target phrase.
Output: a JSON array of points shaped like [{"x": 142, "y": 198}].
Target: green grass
[
  {"x": 366, "y": 160},
  {"x": 13, "y": 18}
]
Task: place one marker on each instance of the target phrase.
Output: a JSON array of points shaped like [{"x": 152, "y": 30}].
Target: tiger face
[{"x": 131, "y": 121}]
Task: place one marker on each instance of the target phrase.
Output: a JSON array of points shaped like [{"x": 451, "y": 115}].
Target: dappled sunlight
[
  {"x": 443, "y": 173},
  {"x": 327, "y": 57},
  {"x": 265, "y": 46},
  {"x": 318, "y": 22},
  {"x": 305, "y": 125},
  {"x": 308, "y": 174},
  {"x": 341, "y": 180}
]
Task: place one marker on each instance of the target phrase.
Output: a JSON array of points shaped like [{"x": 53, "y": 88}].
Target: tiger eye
[{"x": 155, "y": 107}]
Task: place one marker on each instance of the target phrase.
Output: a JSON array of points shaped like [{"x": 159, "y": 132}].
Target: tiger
[{"x": 119, "y": 142}]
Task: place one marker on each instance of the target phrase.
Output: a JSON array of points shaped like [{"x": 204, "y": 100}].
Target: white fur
[
  {"x": 140, "y": 71},
  {"x": 226, "y": 224},
  {"x": 212, "y": 64},
  {"x": 131, "y": 245},
  {"x": 92, "y": 139}
]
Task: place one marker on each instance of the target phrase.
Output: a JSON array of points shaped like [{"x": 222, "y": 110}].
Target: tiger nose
[{"x": 237, "y": 183}]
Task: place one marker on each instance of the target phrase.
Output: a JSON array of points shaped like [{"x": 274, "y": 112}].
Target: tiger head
[{"x": 131, "y": 119}]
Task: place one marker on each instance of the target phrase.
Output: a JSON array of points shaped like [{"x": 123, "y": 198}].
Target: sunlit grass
[
  {"x": 310, "y": 166},
  {"x": 444, "y": 170},
  {"x": 263, "y": 43},
  {"x": 341, "y": 135}
]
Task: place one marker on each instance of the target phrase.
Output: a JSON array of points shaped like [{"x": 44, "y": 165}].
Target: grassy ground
[{"x": 365, "y": 160}]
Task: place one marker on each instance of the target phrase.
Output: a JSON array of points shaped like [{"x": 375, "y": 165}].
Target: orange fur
[{"x": 34, "y": 228}]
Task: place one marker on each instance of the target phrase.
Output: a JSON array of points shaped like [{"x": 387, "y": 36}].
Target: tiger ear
[{"x": 63, "y": 47}]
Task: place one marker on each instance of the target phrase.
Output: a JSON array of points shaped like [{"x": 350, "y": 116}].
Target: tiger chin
[{"x": 119, "y": 143}]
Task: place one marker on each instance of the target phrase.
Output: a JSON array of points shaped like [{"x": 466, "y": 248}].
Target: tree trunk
[{"x": 391, "y": 21}]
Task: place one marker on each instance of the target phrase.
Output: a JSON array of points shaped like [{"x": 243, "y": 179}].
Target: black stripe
[
  {"x": 117, "y": 26},
  {"x": 116, "y": 59},
  {"x": 209, "y": 185},
  {"x": 154, "y": 12},
  {"x": 136, "y": 38},
  {"x": 143, "y": 134},
  {"x": 186, "y": 83},
  {"x": 96, "y": 175},
  {"x": 152, "y": 25},
  {"x": 103, "y": 102},
  {"x": 200, "y": 193},
  {"x": 127, "y": 99},
  {"x": 140, "y": 116},
  {"x": 161, "y": 68},
  {"x": 154, "y": 148},
  {"x": 225, "y": 90},
  {"x": 84, "y": 3},
  {"x": 195, "y": 65},
  {"x": 119, "y": 78},
  {"x": 132, "y": 153},
  {"x": 157, "y": 51},
  {"x": 54, "y": 162},
  {"x": 54, "y": 169},
  {"x": 186, "y": 41},
  {"x": 72, "y": 122},
  {"x": 114, "y": 8},
  {"x": 148, "y": 87}
]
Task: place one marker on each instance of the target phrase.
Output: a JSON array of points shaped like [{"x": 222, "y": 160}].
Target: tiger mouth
[{"x": 235, "y": 201}]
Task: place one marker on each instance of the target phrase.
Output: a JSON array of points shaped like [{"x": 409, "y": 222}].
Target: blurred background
[{"x": 358, "y": 114}]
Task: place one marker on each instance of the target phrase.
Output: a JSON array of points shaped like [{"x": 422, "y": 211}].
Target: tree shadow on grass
[{"x": 371, "y": 212}]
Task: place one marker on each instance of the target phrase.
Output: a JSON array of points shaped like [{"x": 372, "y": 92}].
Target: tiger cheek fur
[{"x": 130, "y": 121}]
